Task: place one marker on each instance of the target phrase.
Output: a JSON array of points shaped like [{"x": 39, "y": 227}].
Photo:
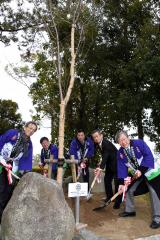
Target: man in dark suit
[{"x": 109, "y": 163}]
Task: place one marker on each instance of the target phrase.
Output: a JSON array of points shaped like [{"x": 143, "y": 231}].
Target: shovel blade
[
  {"x": 99, "y": 208},
  {"x": 102, "y": 206},
  {"x": 89, "y": 196}
]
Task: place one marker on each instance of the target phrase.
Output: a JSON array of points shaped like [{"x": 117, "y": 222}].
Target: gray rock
[
  {"x": 155, "y": 237},
  {"x": 37, "y": 211},
  {"x": 78, "y": 237},
  {"x": 89, "y": 235}
]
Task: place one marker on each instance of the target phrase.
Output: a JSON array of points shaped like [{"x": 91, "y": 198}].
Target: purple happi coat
[
  {"x": 25, "y": 162},
  {"x": 143, "y": 153}
]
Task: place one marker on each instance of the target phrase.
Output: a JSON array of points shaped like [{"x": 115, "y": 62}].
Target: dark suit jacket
[{"x": 109, "y": 156}]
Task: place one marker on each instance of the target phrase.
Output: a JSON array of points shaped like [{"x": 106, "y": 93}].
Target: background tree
[
  {"x": 16, "y": 19},
  {"x": 128, "y": 31},
  {"x": 9, "y": 118},
  {"x": 115, "y": 69},
  {"x": 45, "y": 90}
]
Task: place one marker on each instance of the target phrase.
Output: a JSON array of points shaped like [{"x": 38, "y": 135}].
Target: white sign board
[{"x": 78, "y": 189}]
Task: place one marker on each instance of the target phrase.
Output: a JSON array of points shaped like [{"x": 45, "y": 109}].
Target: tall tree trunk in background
[
  {"x": 96, "y": 110},
  {"x": 140, "y": 126},
  {"x": 53, "y": 128},
  {"x": 81, "y": 124}
]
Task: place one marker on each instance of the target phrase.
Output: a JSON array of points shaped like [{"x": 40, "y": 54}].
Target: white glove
[{"x": 2, "y": 160}]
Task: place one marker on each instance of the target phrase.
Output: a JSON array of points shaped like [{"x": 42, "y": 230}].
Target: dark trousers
[
  {"x": 5, "y": 191},
  {"x": 108, "y": 179},
  {"x": 85, "y": 175},
  {"x": 54, "y": 174}
]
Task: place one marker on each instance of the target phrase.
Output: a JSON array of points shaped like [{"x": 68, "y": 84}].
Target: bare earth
[{"x": 107, "y": 223}]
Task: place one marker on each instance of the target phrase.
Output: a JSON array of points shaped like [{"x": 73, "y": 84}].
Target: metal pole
[{"x": 77, "y": 209}]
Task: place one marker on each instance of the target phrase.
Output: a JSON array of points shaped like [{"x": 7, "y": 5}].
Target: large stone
[
  {"x": 85, "y": 234},
  {"x": 155, "y": 237},
  {"x": 37, "y": 211}
]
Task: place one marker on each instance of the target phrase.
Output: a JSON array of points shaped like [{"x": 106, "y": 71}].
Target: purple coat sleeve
[
  {"x": 73, "y": 148},
  {"x": 54, "y": 151},
  {"x": 8, "y": 137},
  {"x": 90, "y": 152},
  {"x": 148, "y": 159},
  {"x": 25, "y": 163},
  {"x": 122, "y": 169}
]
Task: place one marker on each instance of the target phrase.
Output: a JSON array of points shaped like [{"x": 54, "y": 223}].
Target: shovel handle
[
  {"x": 94, "y": 180},
  {"x": 14, "y": 175},
  {"x": 92, "y": 185},
  {"x": 114, "y": 196}
]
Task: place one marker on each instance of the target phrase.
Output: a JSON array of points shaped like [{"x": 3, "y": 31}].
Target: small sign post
[{"x": 78, "y": 190}]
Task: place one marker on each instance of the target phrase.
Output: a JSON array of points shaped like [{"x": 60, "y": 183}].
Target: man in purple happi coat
[
  {"x": 82, "y": 148},
  {"x": 137, "y": 156},
  {"x": 49, "y": 150},
  {"x": 16, "y": 153}
]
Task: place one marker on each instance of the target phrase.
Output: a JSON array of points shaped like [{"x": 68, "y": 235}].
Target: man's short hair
[
  {"x": 119, "y": 133},
  {"x": 96, "y": 131},
  {"x": 43, "y": 139},
  {"x": 31, "y": 122},
  {"x": 79, "y": 131}
]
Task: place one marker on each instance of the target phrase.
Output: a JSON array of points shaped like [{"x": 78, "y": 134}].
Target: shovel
[
  {"x": 91, "y": 187},
  {"x": 107, "y": 203}
]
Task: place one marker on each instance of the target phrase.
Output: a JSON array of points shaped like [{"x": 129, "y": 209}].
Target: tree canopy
[
  {"x": 117, "y": 68},
  {"x": 9, "y": 118}
]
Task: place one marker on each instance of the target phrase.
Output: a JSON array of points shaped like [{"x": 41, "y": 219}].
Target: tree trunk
[
  {"x": 53, "y": 128},
  {"x": 96, "y": 110},
  {"x": 140, "y": 126},
  {"x": 63, "y": 105},
  {"x": 61, "y": 142},
  {"x": 81, "y": 123}
]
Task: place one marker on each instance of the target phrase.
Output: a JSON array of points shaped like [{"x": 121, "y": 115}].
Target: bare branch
[
  {"x": 17, "y": 29},
  {"x": 58, "y": 66},
  {"x": 17, "y": 79},
  {"x": 75, "y": 18},
  {"x": 80, "y": 40},
  {"x": 58, "y": 52},
  {"x": 44, "y": 21}
]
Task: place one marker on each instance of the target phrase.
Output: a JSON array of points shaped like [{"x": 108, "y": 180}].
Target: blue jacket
[
  {"x": 75, "y": 149},
  {"x": 53, "y": 151},
  {"x": 25, "y": 162},
  {"x": 142, "y": 152}
]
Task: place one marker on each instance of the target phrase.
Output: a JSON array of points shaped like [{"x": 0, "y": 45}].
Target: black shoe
[
  {"x": 116, "y": 206},
  {"x": 127, "y": 214},
  {"x": 155, "y": 225}
]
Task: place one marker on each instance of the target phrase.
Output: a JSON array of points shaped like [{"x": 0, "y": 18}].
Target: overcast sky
[{"x": 11, "y": 89}]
